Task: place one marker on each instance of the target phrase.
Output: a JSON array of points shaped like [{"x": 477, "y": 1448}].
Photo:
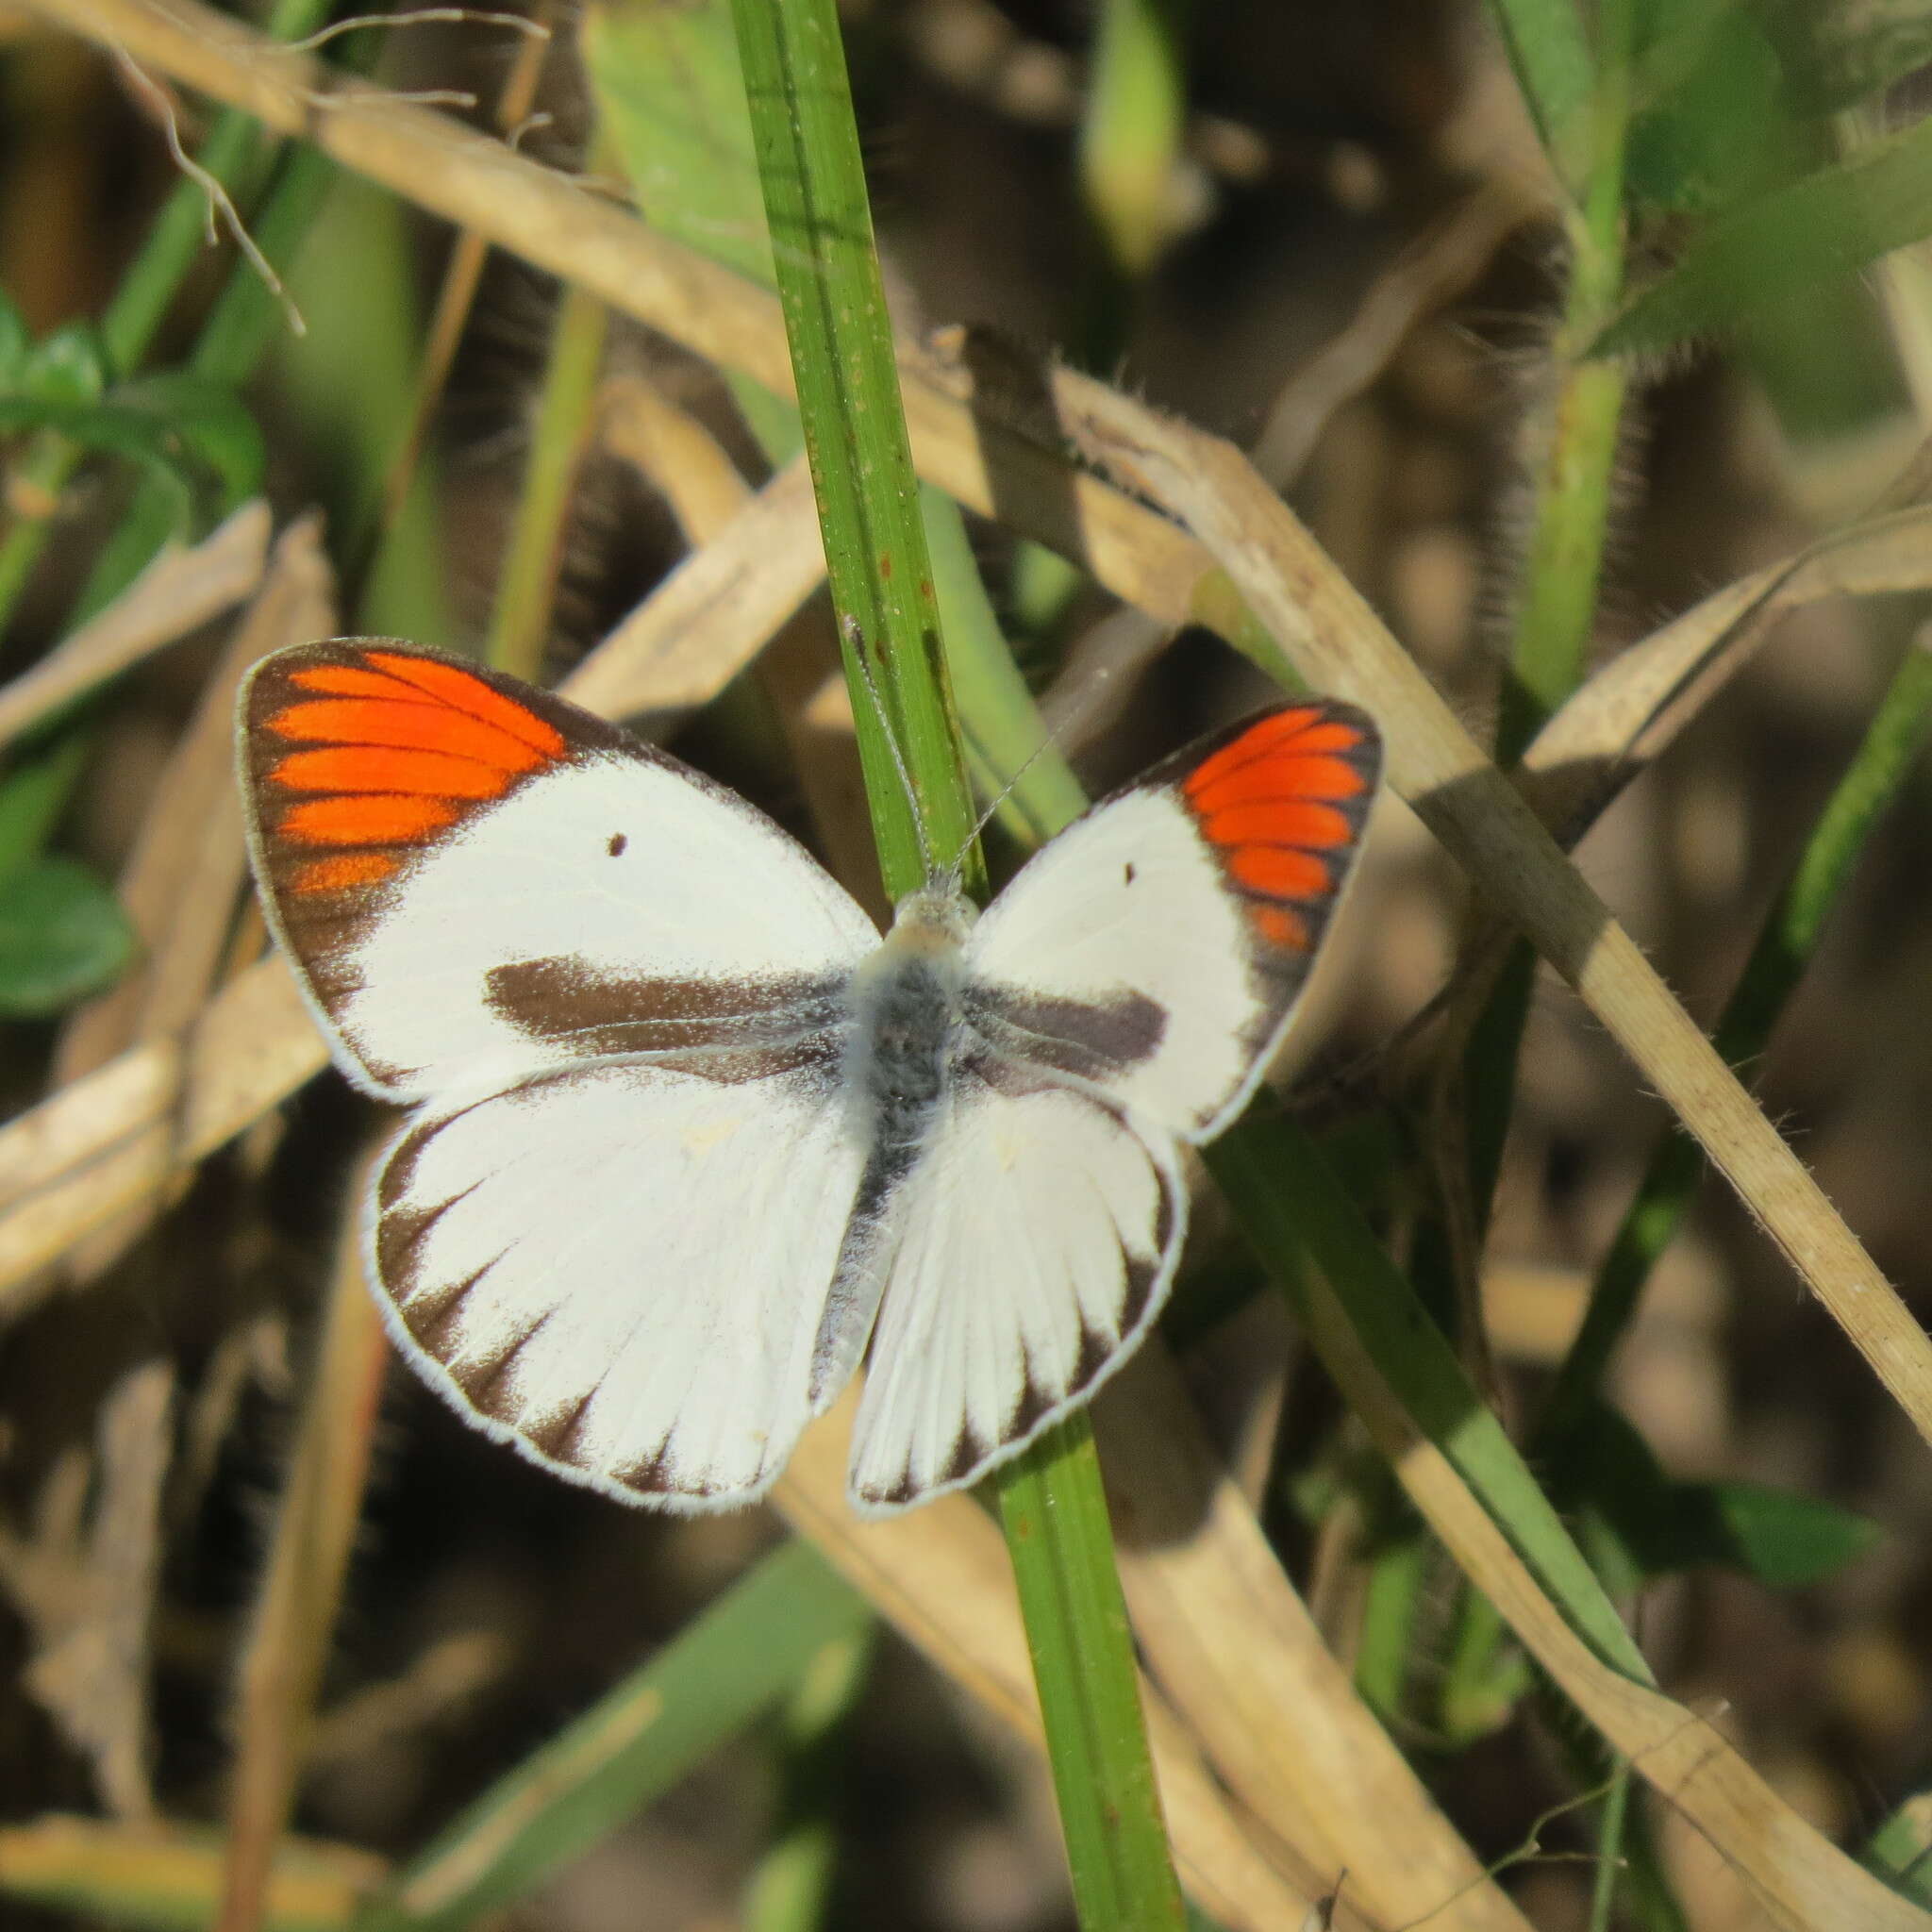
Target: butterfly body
[{"x": 691, "y": 1140}]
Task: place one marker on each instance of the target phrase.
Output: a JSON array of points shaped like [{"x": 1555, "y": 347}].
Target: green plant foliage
[
  {"x": 1900, "y": 1850},
  {"x": 1664, "y": 1525},
  {"x": 733, "y": 1662},
  {"x": 1710, "y": 121},
  {"x": 185, "y": 433},
  {"x": 62, "y": 936},
  {"x": 1759, "y": 252}
]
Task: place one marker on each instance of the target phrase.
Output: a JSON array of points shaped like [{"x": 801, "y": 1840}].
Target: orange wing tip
[
  {"x": 404, "y": 724},
  {"x": 342, "y": 874},
  {"x": 1292, "y": 821},
  {"x": 1281, "y": 927},
  {"x": 382, "y": 768},
  {"x": 346, "y": 681},
  {"x": 1278, "y": 776},
  {"x": 1278, "y": 870},
  {"x": 375, "y": 819},
  {"x": 463, "y": 691}
]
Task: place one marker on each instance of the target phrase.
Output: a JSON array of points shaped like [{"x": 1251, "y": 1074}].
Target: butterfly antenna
[
  {"x": 855, "y": 636},
  {"x": 1049, "y": 742}
]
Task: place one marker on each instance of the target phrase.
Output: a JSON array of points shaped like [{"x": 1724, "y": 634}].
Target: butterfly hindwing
[
  {"x": 1156, "y": 949},
  {"x": 620, "y": 1268},
  {"x": 1035, "y": 1244},
  {"x": 478, "y": 881}
]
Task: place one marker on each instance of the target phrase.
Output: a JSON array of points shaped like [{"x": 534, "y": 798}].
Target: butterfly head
[{"x": 934, "y": 919}]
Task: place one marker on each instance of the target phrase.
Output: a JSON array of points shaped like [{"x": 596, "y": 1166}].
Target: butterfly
[{"x": 687, "y": 1139}]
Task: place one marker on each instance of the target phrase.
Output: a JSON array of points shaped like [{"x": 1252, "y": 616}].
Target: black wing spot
[
  {"x": 1127, "y": 873},
  {"x": 617, "y": 845}
]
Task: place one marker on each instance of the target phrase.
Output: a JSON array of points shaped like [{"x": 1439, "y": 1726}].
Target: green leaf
[
  {"x": 67, "y": 366},
  {"x": 1711, "y": 124},
  {"x": 1662, "y": 1526},
  {"x": 1900, "y": 1850},
  {"x": 16, "y": 342},
  {"x": 1783, "y": 1539},
  {"x": 671, "y": 95},
  {"x": 1552, "y": 59},
  {"x": 204, "y": 425},
  {"x": 1827, "y": 225},
  {"x": 62, "y": 936},
  {"x": 33, "y": 795},
  {"x": 180, "y": 430}
]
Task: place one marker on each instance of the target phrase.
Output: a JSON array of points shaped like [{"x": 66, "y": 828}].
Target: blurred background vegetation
[{"x": 1550, "y": 322}]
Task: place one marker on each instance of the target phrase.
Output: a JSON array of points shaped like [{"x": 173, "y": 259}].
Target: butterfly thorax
[{"x": 905, "y": 1005}]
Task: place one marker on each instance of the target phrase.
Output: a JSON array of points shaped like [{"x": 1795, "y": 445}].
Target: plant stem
[{"x": 882, "y": 585}]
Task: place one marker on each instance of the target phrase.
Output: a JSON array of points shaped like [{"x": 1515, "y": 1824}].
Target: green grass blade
[
  {"x": 736, "y": 1660},
  {"x": 820, "y": 219},
  {"x": 1083, "y": 1662},
  {"x": 1828, "y": 225},
  {"x": 882, "y": 585},
  {"x": 673, "y": 107},
  {"x": 566, "y": 415},
  {"x": 793, "y": 1885},
  {"x": 1289, "y": 1200},
  {"x": 1131, "y": 137}
]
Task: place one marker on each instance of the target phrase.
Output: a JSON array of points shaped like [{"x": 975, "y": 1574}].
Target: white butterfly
[{"x": 687, "y": 1135}]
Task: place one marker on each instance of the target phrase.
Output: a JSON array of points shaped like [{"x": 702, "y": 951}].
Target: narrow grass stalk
[
  {"x": 836, "y": 325},
  {"x": 882, "y": 585},
  {"x": 752, "y": 1646},
  {"x": 1778, "y": 962},
  {"x": 1609, "y": 1851},
  {"x": 566, "y": 413},
  {"x": 1570, "y": 516},
  {"x": 1573, "y": 485},
  {"x": 295, "y": 1610}
]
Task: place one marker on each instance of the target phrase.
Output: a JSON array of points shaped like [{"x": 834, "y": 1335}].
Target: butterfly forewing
[
  {"x": 478, "y": 882},
  {"x": 1156, "y": 949}
]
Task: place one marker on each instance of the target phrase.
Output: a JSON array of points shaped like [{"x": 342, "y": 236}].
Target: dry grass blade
[
  {"x": 189, "y": 863},
  {"x": 177, "y": 593},
  {"x": 1005, "y": 461},
  {"x": 1232, "y": 1645},
  {"x": 321, "y": 1504},
  {"x": 1340, "y": 645},
  {"x": 941, "y": 1578},
  {"x": 104, "y": 1145},
  {"x": 1637, "y": 705},
  {"x": 165, "y": 1874},
  {"x": 713, "y": 615},
  {"x": 1802, "y": 1881},
  {"x": 85, "y": 1582}
]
